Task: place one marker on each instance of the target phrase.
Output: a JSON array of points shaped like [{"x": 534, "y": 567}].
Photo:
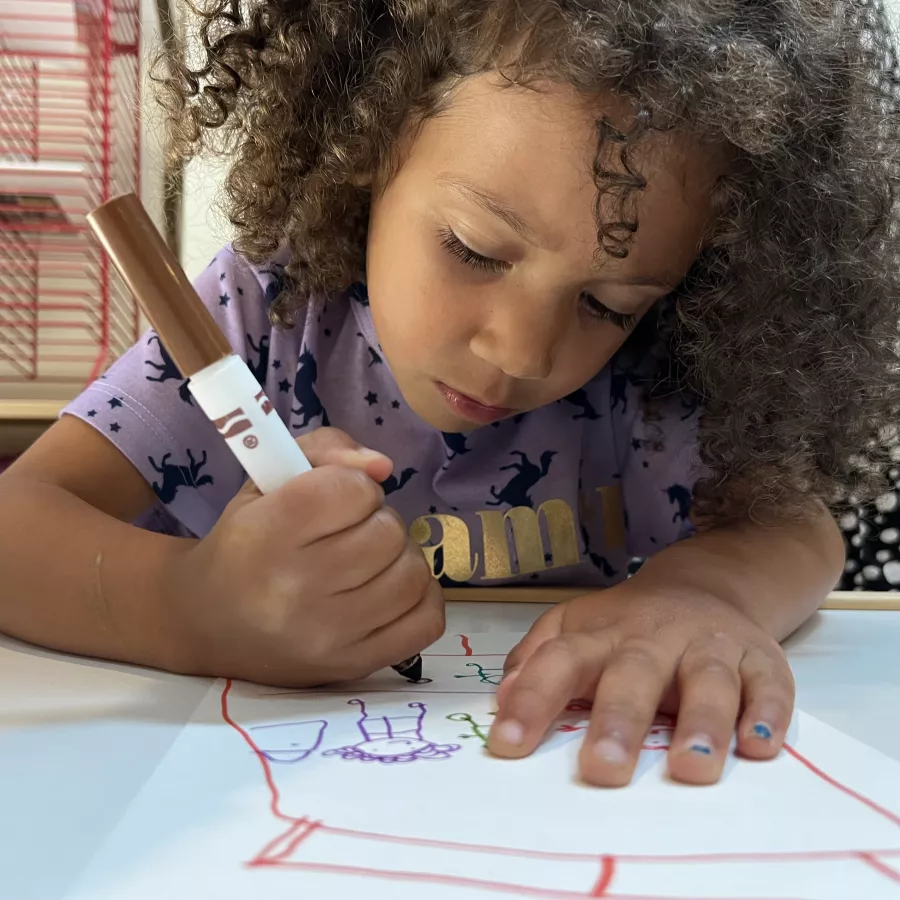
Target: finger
[
  {"x": 333, "y": 447},
  {"x": 353, "y": 557},
  {"x": 557, "y": 671},
  {"x": 625, "y": 704},
  {"x": 386, "y": 598},
  {"x": 545, "y": 628},
  {"x": 411, "y": 633},
  {"x": 322, "y": 502},
  {"x": 710, "y": 690},
  {"x": 768, "y": 704}
]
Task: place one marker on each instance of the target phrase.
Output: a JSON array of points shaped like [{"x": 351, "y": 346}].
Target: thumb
[
  {"x": 333, "y": 447},
  {"x": 547, "y": 627}
]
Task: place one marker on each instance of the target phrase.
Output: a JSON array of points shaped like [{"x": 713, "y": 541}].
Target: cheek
[
  {"x": 584, "y": 352},
  {"x": 418, "y": 312}
]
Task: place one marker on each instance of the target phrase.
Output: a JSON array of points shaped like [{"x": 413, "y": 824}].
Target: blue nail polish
[
  {"x": 763, "y": 731},
  {"x": 701, "y": 748}
]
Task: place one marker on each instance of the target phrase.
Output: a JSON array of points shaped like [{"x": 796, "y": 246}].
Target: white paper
[{"x": 383, "y": 789}]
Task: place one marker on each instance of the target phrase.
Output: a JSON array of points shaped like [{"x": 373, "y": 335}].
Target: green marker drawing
[
  {"x": 485, "y": 676},
  {"x": 476, "y": 729}
]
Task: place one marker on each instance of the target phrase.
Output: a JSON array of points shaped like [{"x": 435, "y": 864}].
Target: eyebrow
[
  {"x": 492, "y": 204},
  {"x": 644, "y": 281}
]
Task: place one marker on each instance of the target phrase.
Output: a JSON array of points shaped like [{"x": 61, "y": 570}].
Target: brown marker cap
[{"x": 159, "y": 285}]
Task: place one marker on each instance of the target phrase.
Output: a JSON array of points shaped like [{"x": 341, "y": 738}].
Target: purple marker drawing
[
  {"x": 392, "y": 739},
  {"x": 486, "y": 676},
  {"x": 290, "y": 742}
]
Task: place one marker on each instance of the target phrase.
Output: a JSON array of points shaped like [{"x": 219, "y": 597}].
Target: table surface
[{"x": 79, "y": 738}]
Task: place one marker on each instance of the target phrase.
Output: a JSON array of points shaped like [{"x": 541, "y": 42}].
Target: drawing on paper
[
  {"x": 290, "y": 819},
  {"x": 419, "y": 859},
  {"x": 392, "y": 739},
  {"x": 475, "y": 730},
  {"x": 485, "y": 676},
  {"x": 289, "y": 742}
]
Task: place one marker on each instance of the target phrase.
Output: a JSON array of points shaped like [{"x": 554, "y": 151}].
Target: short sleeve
[
  {"x": 143, "y": 406},
  {"x": 658, "y": 452}
]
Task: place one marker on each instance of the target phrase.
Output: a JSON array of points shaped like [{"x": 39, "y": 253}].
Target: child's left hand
[{"x": 633, "y": 653}]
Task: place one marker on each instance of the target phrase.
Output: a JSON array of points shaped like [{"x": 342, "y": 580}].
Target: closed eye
[
  {"x": 466, "y": 255},
  {"x": 593, "y": 307}
]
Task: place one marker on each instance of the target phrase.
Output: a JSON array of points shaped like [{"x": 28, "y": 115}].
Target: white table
[{"x": 79, "y": 738}]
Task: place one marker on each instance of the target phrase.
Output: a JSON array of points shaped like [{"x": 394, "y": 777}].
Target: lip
[{"x": 471, "y": 409}]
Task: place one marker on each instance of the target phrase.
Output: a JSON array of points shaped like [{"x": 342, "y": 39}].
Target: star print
[
  {"x": 284, "y": 386},
  {"x": 240, "y": 292},
  {"x": 432, "y": 509},
  {"x": 91, "y": 413},
  {"x": 379, "y": 421},
  {"x": 395, "y": 404},
  {"x": 276, "y": 364},
  {"x": 222, "y": 277},
  {"x": 224, "y": 299},
  {"x": 371, "y": 398},
  {"x": 116, "y": 427},
  {"x": 327, "y": 332},
  {"x": 646, "y": 464},
  {"x": 115, "y": 402}
]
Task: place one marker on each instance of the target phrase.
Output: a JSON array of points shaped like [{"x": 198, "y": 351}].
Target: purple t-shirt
[{"x": 566, "y": 494}]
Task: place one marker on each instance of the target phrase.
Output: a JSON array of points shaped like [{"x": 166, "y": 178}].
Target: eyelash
[{"x": 467, "y": 256}]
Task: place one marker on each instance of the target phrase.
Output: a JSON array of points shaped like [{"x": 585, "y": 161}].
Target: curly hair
[{"x": 785, "y": 330}]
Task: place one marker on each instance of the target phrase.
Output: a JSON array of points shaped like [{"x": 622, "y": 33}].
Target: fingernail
[
  {"x": 366, "y": 451},
  {"x": 699, "y": 744},
  {"x": 761, "y": 730},
  {"x": 510, "y": 732},
  {"x": 611, "y": 751}
]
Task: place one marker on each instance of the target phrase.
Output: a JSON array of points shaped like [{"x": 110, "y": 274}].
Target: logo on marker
[
  {"x": 264, "y": 403},
  {"x": 232, "y": 424}
]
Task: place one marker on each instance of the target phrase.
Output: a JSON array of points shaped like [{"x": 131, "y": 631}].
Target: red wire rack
[{"x": 69, "y": 139}]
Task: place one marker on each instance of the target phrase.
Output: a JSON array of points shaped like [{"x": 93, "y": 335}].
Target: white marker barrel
[{"x": 232, "y": 398}]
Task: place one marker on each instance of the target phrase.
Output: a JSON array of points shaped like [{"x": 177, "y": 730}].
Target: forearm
[
  {"x": 78, "y": 580},
  {"x": 777, "y": 575}
]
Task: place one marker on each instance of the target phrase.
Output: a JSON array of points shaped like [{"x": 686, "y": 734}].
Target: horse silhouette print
[
  {"x": 680, "y": 497},
  {"x": 391, "y": 484},
  {"x": 176, "y": 476},
  {"x": 580, "y": 399},
  {"x": 308, "y": 404},
  {"x": 393, "y": 739},
  {"x": 261, "y": 366},
  {"x": 456, "y": 444},
  {"x": 167, "y": 369},
  {"x": 516, "y": 491}
]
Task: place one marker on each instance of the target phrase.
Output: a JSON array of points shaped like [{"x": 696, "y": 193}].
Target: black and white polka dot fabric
[{"x": 872, "y": 536}]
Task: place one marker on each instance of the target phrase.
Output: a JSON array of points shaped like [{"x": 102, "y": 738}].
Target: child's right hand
[{"x": 315, "y": 583}]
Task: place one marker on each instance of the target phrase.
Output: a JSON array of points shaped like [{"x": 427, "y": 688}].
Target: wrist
[{"x": 157, "y": 616}]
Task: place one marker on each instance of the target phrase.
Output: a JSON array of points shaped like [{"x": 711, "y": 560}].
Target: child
[{"x": 575, "y": 282}]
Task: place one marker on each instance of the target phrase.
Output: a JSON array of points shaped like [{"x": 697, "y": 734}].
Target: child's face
[{"x": 487, "y": 289}]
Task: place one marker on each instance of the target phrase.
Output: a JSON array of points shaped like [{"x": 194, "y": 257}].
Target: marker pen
[{"x": 219, "y": 380}]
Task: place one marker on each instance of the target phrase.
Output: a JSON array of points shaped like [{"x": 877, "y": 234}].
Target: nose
[{"x": 520, "y": 336}]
